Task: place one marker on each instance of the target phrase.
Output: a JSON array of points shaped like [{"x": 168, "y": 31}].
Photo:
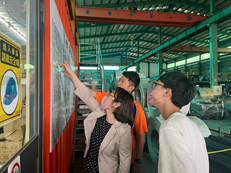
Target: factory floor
[{"x": 147, "y": 164}]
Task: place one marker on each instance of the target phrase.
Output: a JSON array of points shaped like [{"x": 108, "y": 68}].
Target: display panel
[{"x": 62, "y": 96}]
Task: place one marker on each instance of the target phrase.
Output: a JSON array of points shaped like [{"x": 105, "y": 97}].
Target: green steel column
[
  {"x": 212, "y": 7},
  {"x": 148, "y": 69},
  {"x": 213, "y": 55},
  {"x": 160, "y": 60},
  {"x": 185, "y": 65},
  {"x": 199, "y": 63},
  {"x": 138, "y": 47},
  {"x": 138, "y": 67},
  {"x": 138, "y": 55}
]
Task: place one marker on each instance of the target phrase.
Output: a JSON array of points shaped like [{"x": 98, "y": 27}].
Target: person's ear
[
  {"x": 116, "y": 104},
  {"x": 131, "y": 88},
  {"x": 168, "y": 93}
]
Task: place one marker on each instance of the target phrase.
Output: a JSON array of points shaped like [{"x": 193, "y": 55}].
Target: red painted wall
[{"x": 59, "y": 160}]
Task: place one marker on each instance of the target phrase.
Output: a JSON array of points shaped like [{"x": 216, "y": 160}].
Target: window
[
  {"x": 133, "y": 68},
  {"x": 193, "y": 59},
  {"x": 170, "y": 65},
  {"x": 111, "y": 67},
  {"x": 18, "y": 83},
  {"x": 182, "y": 62},
  {"x": 205, "y": 56}
]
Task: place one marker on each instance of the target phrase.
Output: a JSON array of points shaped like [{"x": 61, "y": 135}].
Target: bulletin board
[{"x": 62, "y": 98}]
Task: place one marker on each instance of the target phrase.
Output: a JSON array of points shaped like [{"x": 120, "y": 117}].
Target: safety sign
[{"x": 10, "y": 89}]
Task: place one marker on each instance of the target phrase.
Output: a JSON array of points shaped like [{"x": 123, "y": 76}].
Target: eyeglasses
[
  {"x": 159, "y": 85},
  {"x": 115, "y": 99},
  {"x": 111, "y": 95}
]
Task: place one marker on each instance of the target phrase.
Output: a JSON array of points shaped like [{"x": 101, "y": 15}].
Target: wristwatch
[{"x": 138, "y": 160}]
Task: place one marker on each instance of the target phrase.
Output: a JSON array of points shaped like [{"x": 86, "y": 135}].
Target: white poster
[{"x": 62, "y": 96}]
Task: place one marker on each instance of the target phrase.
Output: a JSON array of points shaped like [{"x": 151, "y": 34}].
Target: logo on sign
[
  {"x": 16, "y": 168},
  {"x": 88, "y": 11},
  {"x": 189, "y": 17}
]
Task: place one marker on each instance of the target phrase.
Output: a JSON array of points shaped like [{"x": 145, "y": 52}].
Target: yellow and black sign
[{"x": 10, "y": 81}]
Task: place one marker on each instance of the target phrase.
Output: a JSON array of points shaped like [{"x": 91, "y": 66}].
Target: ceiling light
[
  {"x": 88, "y": 68},
  {"x": 165, "y": 7},
  {"x": 198, "y": 13},
  {"x": 4, "y": 22},
  {"x": 185, "y": 11},
  {"x": 192, "y": 11},
  {"x": 180, "y": 9},
  {"x": 16, "y": 32},
  {"x": 174, "y": 8}
]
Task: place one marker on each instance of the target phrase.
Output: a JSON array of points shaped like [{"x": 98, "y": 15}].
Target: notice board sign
[
  {"x": 10, "y": 88},
  {"x": 62, "y": 98}
]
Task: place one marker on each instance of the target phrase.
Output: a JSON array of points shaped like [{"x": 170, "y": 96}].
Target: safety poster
[{"x": 10, "y": 88}]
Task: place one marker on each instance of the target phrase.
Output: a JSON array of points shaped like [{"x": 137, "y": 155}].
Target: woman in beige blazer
[{"x": 107, "y": 128}]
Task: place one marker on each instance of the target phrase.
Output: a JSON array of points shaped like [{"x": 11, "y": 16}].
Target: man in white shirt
[{"x": 182, "y": 146}]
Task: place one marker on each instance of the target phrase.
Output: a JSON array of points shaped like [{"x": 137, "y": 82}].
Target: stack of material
[
  {"x": 207, "y": 109},
  {"x": 10, "y": 143}
]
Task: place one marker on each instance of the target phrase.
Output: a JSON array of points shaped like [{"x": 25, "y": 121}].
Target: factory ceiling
[{"x": 115, "y": 39}]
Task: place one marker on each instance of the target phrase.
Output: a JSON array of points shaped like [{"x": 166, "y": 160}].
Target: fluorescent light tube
[{"x": 16, "y": 32}]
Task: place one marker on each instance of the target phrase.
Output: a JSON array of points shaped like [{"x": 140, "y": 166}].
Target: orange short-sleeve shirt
[{"x": 140, "y": 123}]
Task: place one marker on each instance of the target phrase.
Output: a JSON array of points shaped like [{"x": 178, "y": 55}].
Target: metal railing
[
  {"x": 98, "y": 60},
  {"x": 101, "y": 66}
]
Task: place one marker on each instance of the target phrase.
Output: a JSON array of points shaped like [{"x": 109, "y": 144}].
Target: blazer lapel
[{"x": 110, "y": 134}]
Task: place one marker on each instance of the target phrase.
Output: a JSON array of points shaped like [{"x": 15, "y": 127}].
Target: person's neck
[
  {"x": 168, "y": 109},
  {"x": 110, "y": 116}
]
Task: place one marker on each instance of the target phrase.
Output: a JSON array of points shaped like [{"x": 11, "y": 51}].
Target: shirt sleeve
[
  {"x": 100, "y": 95},
  {"x": 174, "y": 154},
  {"x": 140, "y": 124}
]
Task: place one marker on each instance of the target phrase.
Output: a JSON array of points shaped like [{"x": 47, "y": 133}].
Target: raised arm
[
  {"x": 93, "y": 93},
  {"x": 70, "y": 74},
  {"x": 81, "y": 90}
]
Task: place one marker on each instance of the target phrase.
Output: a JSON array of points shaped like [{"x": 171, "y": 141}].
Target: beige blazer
[{"x": 117, "y": 144}]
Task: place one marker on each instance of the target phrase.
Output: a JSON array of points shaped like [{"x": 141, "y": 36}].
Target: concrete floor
[{"x": 147, "y": 166}]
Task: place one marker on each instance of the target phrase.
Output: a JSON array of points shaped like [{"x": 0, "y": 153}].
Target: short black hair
[
  {"x": 133, "y": 78},
  {"x": 183, "y": 90},
  {"x": 124, "y": 113}
]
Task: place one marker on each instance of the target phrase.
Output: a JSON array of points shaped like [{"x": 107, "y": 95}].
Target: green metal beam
[
  {"x": 224, "y": 33},
  {"x": 119, "y": 47},
  {"x": 144, "y": 3},
  {"x": 192, "y": 31},
  {"x": 135, "y": 56},
  {"x": 92, "y": 25},
  {"x": 111, "y": 35},
  {"x": 139, "y": 32},
  {"x": 170, "y": 8},
  {"x": 104, "y": 56},
  {"x": 119, "y": 1},
  {"x": 121, "y": 41},
  {"x": 124, "y": 33},
  {"x": 212, "y": 7}
]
